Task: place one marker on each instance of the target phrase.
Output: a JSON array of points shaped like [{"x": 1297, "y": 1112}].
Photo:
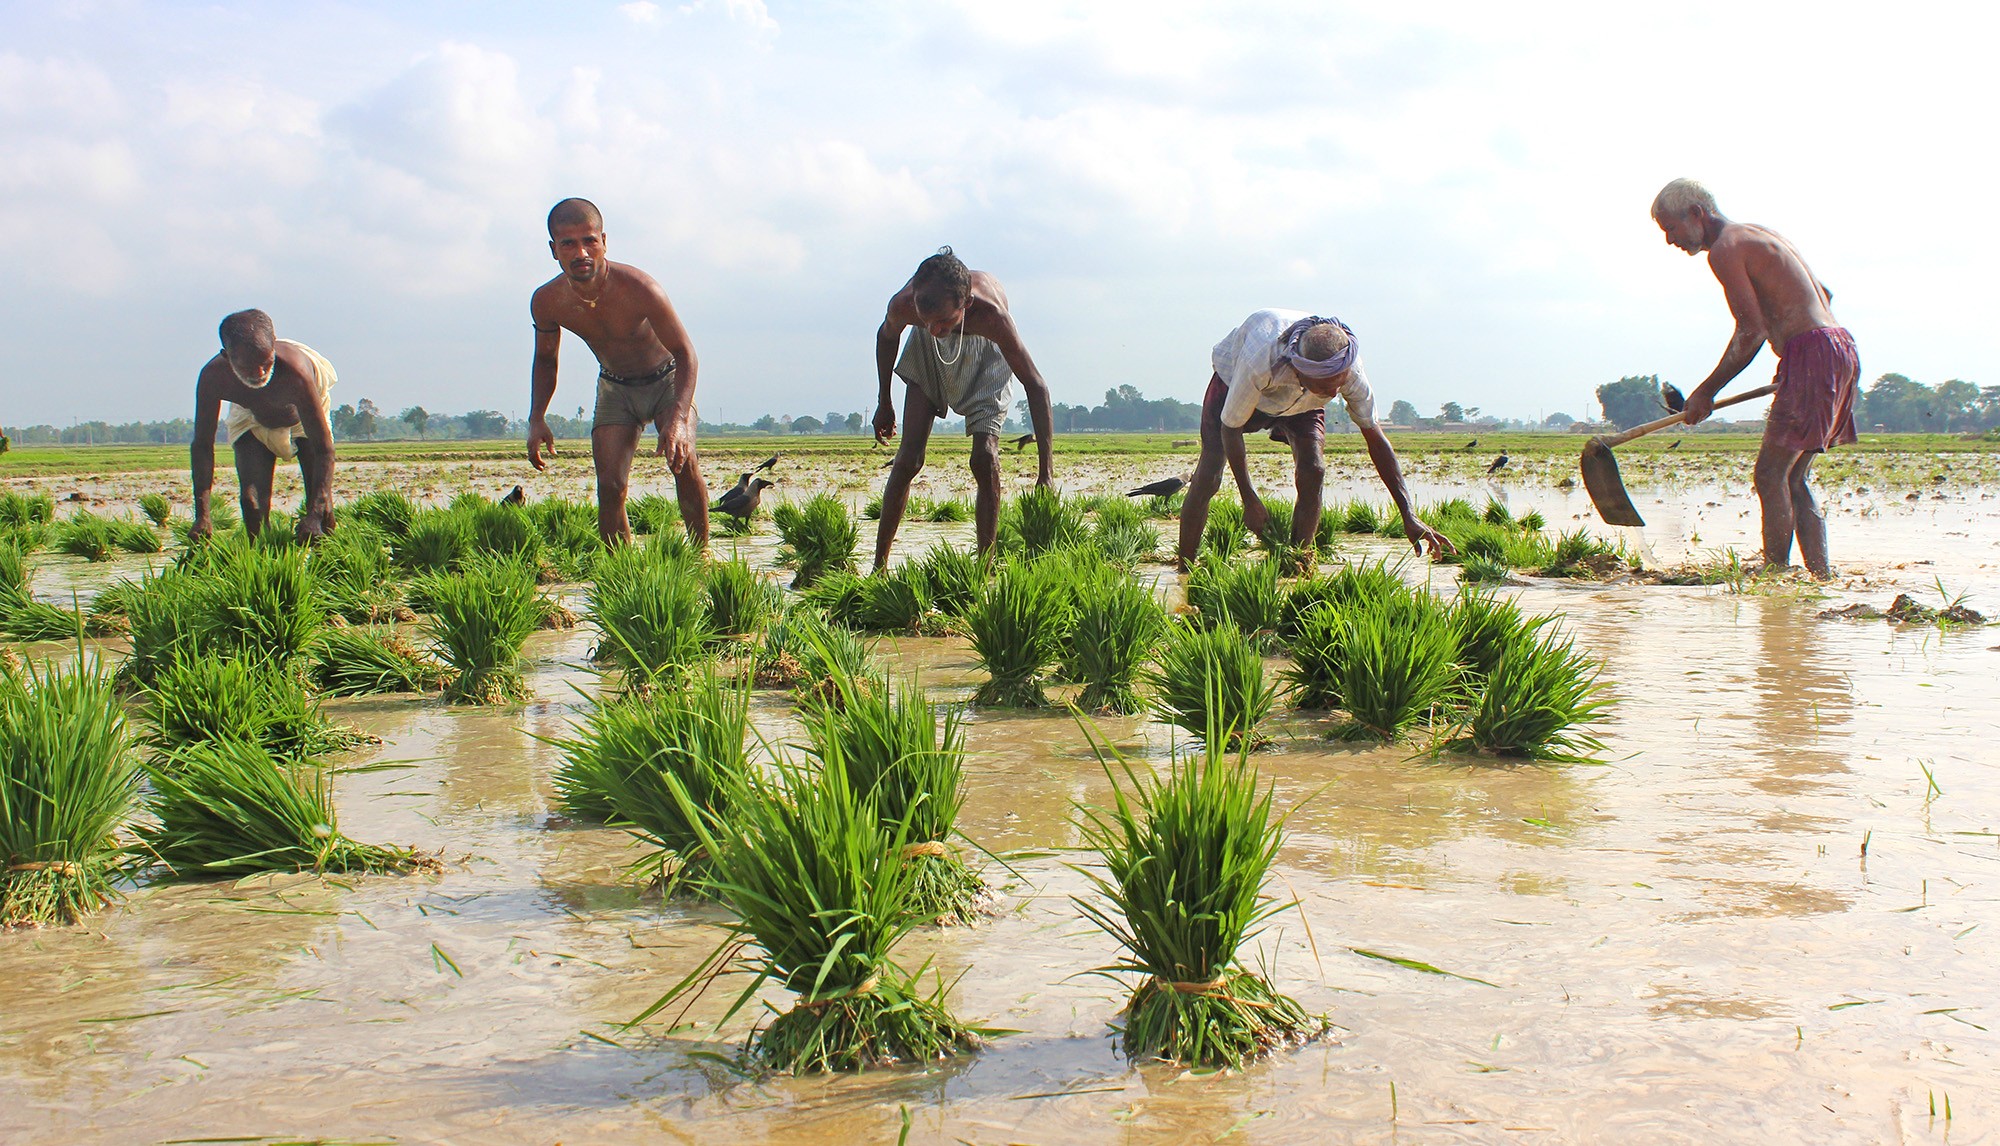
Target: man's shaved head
[
  {"x": 942, "y": 283},
  {"x": 1322, "y": 341},
  {"x": 249, "y": 330},
  {"x": 575, "y": 212}
]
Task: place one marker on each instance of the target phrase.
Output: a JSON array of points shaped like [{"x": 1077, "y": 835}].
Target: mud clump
[
  {"x": 1859, "y": 611},
  {"x": 1907, "y": 610}
]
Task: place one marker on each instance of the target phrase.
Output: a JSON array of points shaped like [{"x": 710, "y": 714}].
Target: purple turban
[{"x": 1288, "y": 350}]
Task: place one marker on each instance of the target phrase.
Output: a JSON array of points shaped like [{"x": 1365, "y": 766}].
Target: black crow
[
  {"x": 766, "y": 464},
  {"x": 515, "y": 496},
  {"x": 742, "y": 500},
  {"x": 1497, "y": 463},
  {"x": 1021, "y": 442},
  {"x": 1165, "y": 487},
  {"x": 1676, "y": 445},
  {"x": 1470, "y": 445},
  {"x": 1672, "y": 398}
]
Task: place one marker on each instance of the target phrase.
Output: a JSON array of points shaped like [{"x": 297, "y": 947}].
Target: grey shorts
[
  {"x": 634, "y": 401},
  {"x": 976, "y": 384}
]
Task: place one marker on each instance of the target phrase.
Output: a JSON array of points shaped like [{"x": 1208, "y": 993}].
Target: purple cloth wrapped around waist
[{"x": 1817, "y": 375}]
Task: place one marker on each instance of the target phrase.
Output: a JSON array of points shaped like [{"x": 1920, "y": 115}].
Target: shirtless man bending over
[
  {"x": 646, "y": 369},
  {"x": 1775, "y": 299},
  {"x": 276, "y": 390},
  {"x": 962, "y": 353}
]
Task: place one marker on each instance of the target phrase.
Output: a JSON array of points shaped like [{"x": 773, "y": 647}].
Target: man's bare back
[{"x": 1789, "y": 299}]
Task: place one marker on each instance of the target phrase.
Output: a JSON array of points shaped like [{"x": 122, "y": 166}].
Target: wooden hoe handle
[{"x": 1622, "y": 437}]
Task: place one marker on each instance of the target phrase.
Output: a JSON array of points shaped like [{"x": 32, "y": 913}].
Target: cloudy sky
[{"x": 1466, "y": 184}]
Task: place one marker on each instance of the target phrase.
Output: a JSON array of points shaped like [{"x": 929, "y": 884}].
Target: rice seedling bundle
[
  {"x": 367, "y": 660},
  {"x": 1485, "y": 625},
  {"x": 67, "y": 781},
  {"x": 1184, "y": 858},
  {"x": 822, "y": 896},
  {"x": 871, "y": 510},
  {"x": 950, "y": 509},
  {"x": 652, "y": 514},
  {"x": 729, "y": 525},
  {"x": 1041, "y": 520},
  {"x": 651, "y": 609},
  {"x": 740, "y": 602},
  {"x": 435, "y": 541},
  {"x": 896, "y": 601},
  {"x": 115, "y": 599},
  {"x": 908, "y": 761},
  {"x": 1360, "y": 517},
  {"x": 1578, "y": 554},
  {"x": 1352, "y": 584},
  {"x": 818, "y": 537},
  {"x": 571, "y": 544},
  {"x": 1225, "y": 532},
  {"x": 222, "y": 512},
  {"x": 505, "y": 531},
  {"x": 1118, "y": 624},
  {"x": 1018, "y": 626},
  {"x": 278, "y": 532},
  {"x": 1277, "y": 531},
  {"x": 1122, "y": 533},
  {"x": 1327, "y": 534},
  {"x": 1318, "y": 650},
  {"x": 85, "y": 535},
  {"x": 354, "y": 572},
  {"x": 1391, "y": 525},
  {"x": 1245, "y": 596},
  {"x": 1450, "y": 509},
  {"x": 954, "y": 578},
  {"x": 837, "y": 595},
  {"x": 1532, "y": 521},
  {"x": 481, "y": 618},
  {"x": 389, "y": 510},
  {"x": 1211, "y": 678},
  {"x": 197, "y": 700},
  {"x": 158, "y": 508},
  {"x": 1536, "y": 701},
  {"x": 1477, "y": 539},
  {"x": 1395, "y": 664},
  {"x": 803, "y": 651},
  {"x": 620, "y": 759},
  {"x": 228, "y": 600},
  {"x": 1484, "y": 571},
  {"x": 1302, "y": 597},
  {"x": 136, "y": 537},
  {"x": 230, "y": 808},
  {"x": 18, "y": 510},
  {"x": 1497, "y": 513},
  {"x": 30, "y": 620},
  {"x": 14, "y": 571},
  {"x": 1165, "y": 505}
]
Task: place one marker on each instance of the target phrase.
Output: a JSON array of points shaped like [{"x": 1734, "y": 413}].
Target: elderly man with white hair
[
  {"x": 1276, "y": 372},
  {"x": 1775, "y": 299}
]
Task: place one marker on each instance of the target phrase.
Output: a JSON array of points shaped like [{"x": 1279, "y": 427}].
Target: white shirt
[{"x": 1244, "y": 362}]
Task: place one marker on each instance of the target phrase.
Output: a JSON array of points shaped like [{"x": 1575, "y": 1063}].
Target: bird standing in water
[
  {"x": 1470, "y": 445},
  {"x": 766, "y": 464},
  {"x": 515, "y": 496},
  {"x": 742, "y": 498},
  {"x": 1165, "y": 487},
  {"x": 1498, "y": 462}
]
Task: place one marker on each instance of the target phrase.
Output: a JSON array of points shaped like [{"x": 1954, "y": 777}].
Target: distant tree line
[{"x": 1894, "y": 404}]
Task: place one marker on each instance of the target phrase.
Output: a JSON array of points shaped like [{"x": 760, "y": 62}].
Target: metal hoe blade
[{"x": 1607, "y": 489}]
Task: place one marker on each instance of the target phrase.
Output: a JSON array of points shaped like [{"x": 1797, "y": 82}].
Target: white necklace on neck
[{"x": 958, "y": 348}]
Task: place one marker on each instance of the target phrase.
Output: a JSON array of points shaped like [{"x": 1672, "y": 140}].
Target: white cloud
[{"x": 640, "y": 12}]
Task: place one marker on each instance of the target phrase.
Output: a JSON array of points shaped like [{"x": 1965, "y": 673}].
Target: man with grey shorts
[
  {"x": 646, "y": 369},
  {"x": 962, "y": 354}
]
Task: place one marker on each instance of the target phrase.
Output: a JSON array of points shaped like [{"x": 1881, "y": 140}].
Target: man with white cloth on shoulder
[
  {"x": 962, "y": 353},
  {"x": 277, "y": 391},
  {"x": 1276, "y": 372}
]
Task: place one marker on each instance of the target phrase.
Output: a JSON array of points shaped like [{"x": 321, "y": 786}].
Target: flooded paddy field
[{"x": 1768, "y": 915}]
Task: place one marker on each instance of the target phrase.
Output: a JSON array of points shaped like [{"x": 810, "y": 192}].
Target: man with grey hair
[
  {"x": 1277, "y": 371},
  {"x": 1775, "y": 299},
  {"x": 276, "y": 390}
]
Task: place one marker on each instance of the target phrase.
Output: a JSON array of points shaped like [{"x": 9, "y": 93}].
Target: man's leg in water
[
  {"x": 692, "y": 493},
  {"x": 1808, "y": 521},
  {"x": 256, "y": 470},
  {"x": 918, "y": 414},
  {"x": 986, "y": 496},
  {"x": 1774, "y": 494},
  {"x": 611, "y": 450},
  {"x": 307, "y": 451},
  {"x": 1202, "y": 486}
]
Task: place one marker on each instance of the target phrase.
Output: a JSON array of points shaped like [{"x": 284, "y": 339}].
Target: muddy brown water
[{"x": 1687, "y": 943}]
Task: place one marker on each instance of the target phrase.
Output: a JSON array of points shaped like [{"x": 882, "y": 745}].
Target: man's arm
[
  {"x": 886, "y": 337},
  {"x": 201, "y": 455},
  {"x": 1384, "y": 456},
  {"x": 542, "y": 385},
  {"x": 1236, "y": 452},
  {"x": 1744, "y": 342},
  {"x": 677, "y": 444},
  {"x": 1039, "y": 410}
]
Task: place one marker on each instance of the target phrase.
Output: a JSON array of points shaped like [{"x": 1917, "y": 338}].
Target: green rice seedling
[
  {"x": 1327, "y": 534},
  {"x": 625, "y": 752},
  {"x": 67, "y": 781},
  {"x": 434, "y": 541},
  {"x": 740, "y": 602},
  {"x": 837, "y": 596},
  {"x": 1450, "y": 509},
  {"x": 1395, "y": 665},
  {"x": 818, "y": 537},
  {"x": 482, "y": 616},
  {"x": 1485, "y": 625},
  {"x": 388, "y": 510},
  {"x": 728, "y": 525},
  {"x": 950, "y": 509},
  {"x": 954, "y": 578},
  {"x": 570, "y": 541},
  {"x": 1246, "y": 596},
  {"x": 85, "y": 535},
  {"x": 896, "y": 601},
  {"x": 1360, "y": 517},
  {"x": 1165, "y": 505},
  {"x": 1485, "y": 571},
  {"x": 135, "y": 537},
  {"x": 1184, "y": 859},
  {"x": 652, "y": 611},
  {"x": 1479, "y": 540},
  {"x": 1205, "y": 678},
  {"x": 222, "y": 512},
  {"x": 652, "y": 514},
  {"x": 230, "y": 808},
  {"x": 1391, "y": 525},
  {"x": 1578, "y": 554},
  {"x": 871, "y": 510},
  {"x": 1225, "y": 533},
  {"x": 26, "y": 619},
  {"x": 1122, "y": 533},
  {"x": 14, "y": 512},
  {"x": 366, "y": 660},
  {"x": 467, "y": 502},
  {"x": 1277, "y": 531},
  {"x": 505, "y": 531},
  {"x": 201, "y": 699},
  {"x": 1532, "y": 521},
  {"x": 354, "y": 572},
  {"x": 115, "y": 599},
  {"x": 1302, "y": 597},
  {"x": 158, "y": 508},
  {"x": 1537, "y": 700},
  {"x": 1017, "y": 627},
  {"x": 1497, "y": 512},
  {"x": 822, "y": 895},
  {"x": 229, "y": 600},
  {"x": 1118, "y": 624},
  {"x": 803, "y": 651},
  {"x": 1318, "y": 649},
  {"x": 1352, "y": 584},
  {"x": 14, "y": 571},
  {"x": 908, "y": 760},
  {"x": 1041, "y": 520}
]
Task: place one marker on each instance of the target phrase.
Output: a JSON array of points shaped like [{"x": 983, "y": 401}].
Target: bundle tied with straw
[
  {"x": 1184, "y": 861},
  {"x": 822, "y": 896},
  {"x": 908, "y": 761}
]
